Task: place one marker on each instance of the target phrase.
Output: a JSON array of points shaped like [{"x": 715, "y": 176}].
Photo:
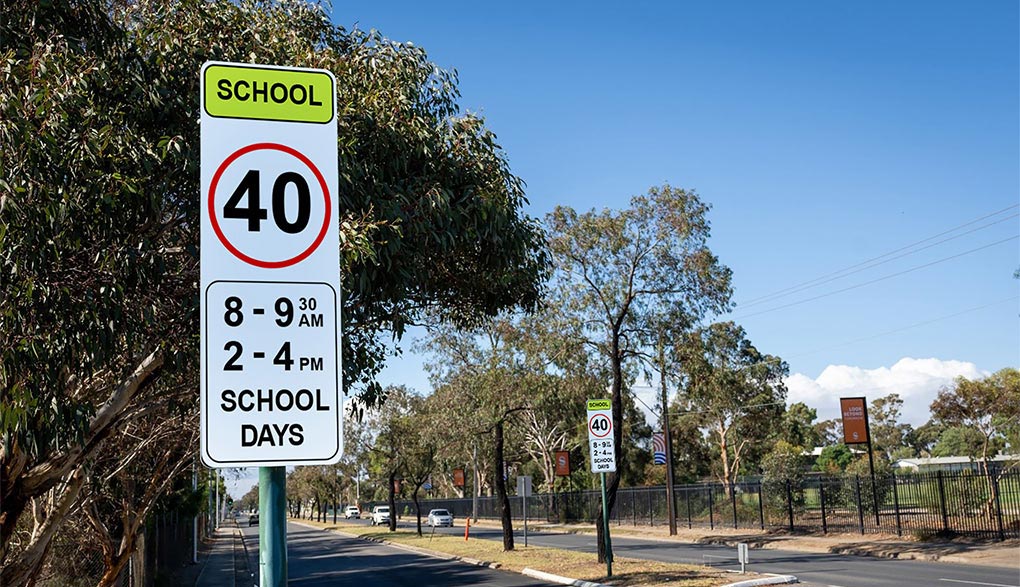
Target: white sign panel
[
  {"x": 524, "y": 486},
  {"x": 600, "y": 436},
  {"x": 270, "y": 360}
]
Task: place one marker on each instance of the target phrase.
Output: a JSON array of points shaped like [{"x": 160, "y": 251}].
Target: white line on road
[{"x": 977, "y": 583}]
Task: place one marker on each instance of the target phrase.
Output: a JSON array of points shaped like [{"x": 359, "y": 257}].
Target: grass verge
[{"x": 627, "y": 572}]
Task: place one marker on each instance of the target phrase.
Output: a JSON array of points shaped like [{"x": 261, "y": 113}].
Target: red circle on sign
[
  {"x": 216, "y": 224},
  {"x": 608, "y": 428}
]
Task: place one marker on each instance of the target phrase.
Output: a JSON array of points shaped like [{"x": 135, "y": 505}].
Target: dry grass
[{"x": 579, "y": 565}]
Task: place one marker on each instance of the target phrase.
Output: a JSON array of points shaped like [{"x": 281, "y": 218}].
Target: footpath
[
  {"x": 225, "y": 564},
  {"x": 973, "y": 552}
]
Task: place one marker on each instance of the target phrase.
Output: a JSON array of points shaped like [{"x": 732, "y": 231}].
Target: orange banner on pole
[
  {"x": 458, "y": 477},
  {"x": 855, "y": 419}
]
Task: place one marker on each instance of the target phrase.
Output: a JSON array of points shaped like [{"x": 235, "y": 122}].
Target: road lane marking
[{"x": 977, "y": 583}]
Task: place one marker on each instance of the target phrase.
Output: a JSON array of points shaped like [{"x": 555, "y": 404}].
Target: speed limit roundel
[
  {"x": 269, "y": 205},
  {"x": 600, "y": 425}
]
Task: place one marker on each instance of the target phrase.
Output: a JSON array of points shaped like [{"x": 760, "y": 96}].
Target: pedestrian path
[{"x": 219, "y": 565}]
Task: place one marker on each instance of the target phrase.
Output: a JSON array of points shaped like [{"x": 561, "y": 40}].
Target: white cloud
[{"x": 916, "y": 380}]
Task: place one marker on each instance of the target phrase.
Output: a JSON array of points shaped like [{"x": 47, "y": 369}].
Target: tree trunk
[
  {"x": 417, "y": 508},
  {"x": 724, "y": 454},
  {"x": 613, "y": 479},
  {"x": 115, "y": 566},
  {"x": 26, "y": 567},
  {"x": 504, "y": 500},
  {"x": 393, "y": 501}
]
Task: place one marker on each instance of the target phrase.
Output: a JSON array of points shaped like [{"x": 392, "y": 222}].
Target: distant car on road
[
  {"x": 440, "y": 518},
  {"x": 352, "y": 511},
  {"x": 380, "y": 515},
  {"x": 253, "y": 519}
]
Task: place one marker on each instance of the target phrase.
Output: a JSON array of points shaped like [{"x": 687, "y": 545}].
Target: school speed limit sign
[
  {"x": 270, "y": 360},
  {"x": 600, "y": 436}
]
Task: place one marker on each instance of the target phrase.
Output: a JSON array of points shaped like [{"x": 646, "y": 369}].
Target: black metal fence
[{"x": 922, "y": 504}]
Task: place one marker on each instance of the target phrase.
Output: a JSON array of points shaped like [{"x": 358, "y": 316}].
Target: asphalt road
[
  {"x": 316, "y": 559},
  {"x": 811, "y": 568}
]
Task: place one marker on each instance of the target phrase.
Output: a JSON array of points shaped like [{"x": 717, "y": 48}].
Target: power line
[
  {"x": 845, "y": 273},
  {"x": 883, "y": 278},
  {"x": 687, "y": 412},
  {"x": 893, "y": 252},
  {"x": 915, "y": 325}
]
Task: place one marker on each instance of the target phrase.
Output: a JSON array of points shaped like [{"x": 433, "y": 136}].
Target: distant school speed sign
[
  {"x": 270, "y": 361},
  {"x": 600, "y": 436}
]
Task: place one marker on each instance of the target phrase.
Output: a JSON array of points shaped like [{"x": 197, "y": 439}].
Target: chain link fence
[{"x": 164, "y": 554}]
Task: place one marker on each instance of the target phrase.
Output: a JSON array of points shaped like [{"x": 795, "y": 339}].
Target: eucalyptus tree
[
  {"x": 620, "y": 275},
  {"x": 736, "y": 394},
  {"x": 99, "y": 171},
  {"x": 390, "y": 447},
  {"x": 419, "y": 442},
  {"x": 989, "y": 406},
  {"x": 486, "y": 376}
]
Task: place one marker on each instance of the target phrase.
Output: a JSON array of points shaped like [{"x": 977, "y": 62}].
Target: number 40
[{"x": 255, "y": 214}]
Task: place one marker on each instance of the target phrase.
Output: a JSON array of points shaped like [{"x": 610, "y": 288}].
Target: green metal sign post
[
  {"x": 273, "y": 526},
  {"x": 605, "y": 523},
  {"x": 601, "y": 441}
]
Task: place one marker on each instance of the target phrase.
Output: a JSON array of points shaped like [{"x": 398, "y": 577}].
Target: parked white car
[
  {"x": 380, "y": 515},
  {"x": 352, "y": 511},
  {"x": 440, "y": 518}
]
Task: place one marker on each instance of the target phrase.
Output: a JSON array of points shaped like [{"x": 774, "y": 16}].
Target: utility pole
[
  {"x": 476, "y": 489},
  {"x": 670, "y": 501},
  {"x": 210, "y": 516},
  {"x": 216, "y": 513}
]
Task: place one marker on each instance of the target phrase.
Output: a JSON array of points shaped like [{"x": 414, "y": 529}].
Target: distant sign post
[
  {"x": 269, "y": 318},
  {"x": 524, "y": 490},
  {"x": 857, "y": 430},
  {"x": 603, "y": 458}
]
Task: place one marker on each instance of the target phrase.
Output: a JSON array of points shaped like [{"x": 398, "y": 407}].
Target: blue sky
[{"x": 822, "y": 133}]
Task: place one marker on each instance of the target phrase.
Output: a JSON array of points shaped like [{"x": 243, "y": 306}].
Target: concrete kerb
[
  {"x": 894, "y": 552},
  {"x": 770, "y": 580},
  {"x": 544, "y": 576}
]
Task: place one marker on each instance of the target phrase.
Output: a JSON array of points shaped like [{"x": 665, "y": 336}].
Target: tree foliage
[
  {"x": 834, "y": 459},
  {"x": 887, "y": 433},
  {"x": 735, "y": 393},
  {"x": 99, "y": 219},
  {"x": 620, "y": 276},
  {"x": 989, "y": 406}
]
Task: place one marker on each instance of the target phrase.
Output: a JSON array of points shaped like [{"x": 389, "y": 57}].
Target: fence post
[
  {"x": 896, "y": 504},
  {"x": 789, "y": 503},
  {"x": 733, "y": 499},
  {"x": 857, "y": 495},
  {"x": 821, "y": 497},
  {"x": 633, "y": 508},
  {"x": 942, "y": 501},
  {"x": 651, "y": 510},
  {"x": 761, "y": 508},
  {"x": 687, "y": 494},
  {"x": 711, "y": 508},
  {"x": 998, "y": 506}
]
